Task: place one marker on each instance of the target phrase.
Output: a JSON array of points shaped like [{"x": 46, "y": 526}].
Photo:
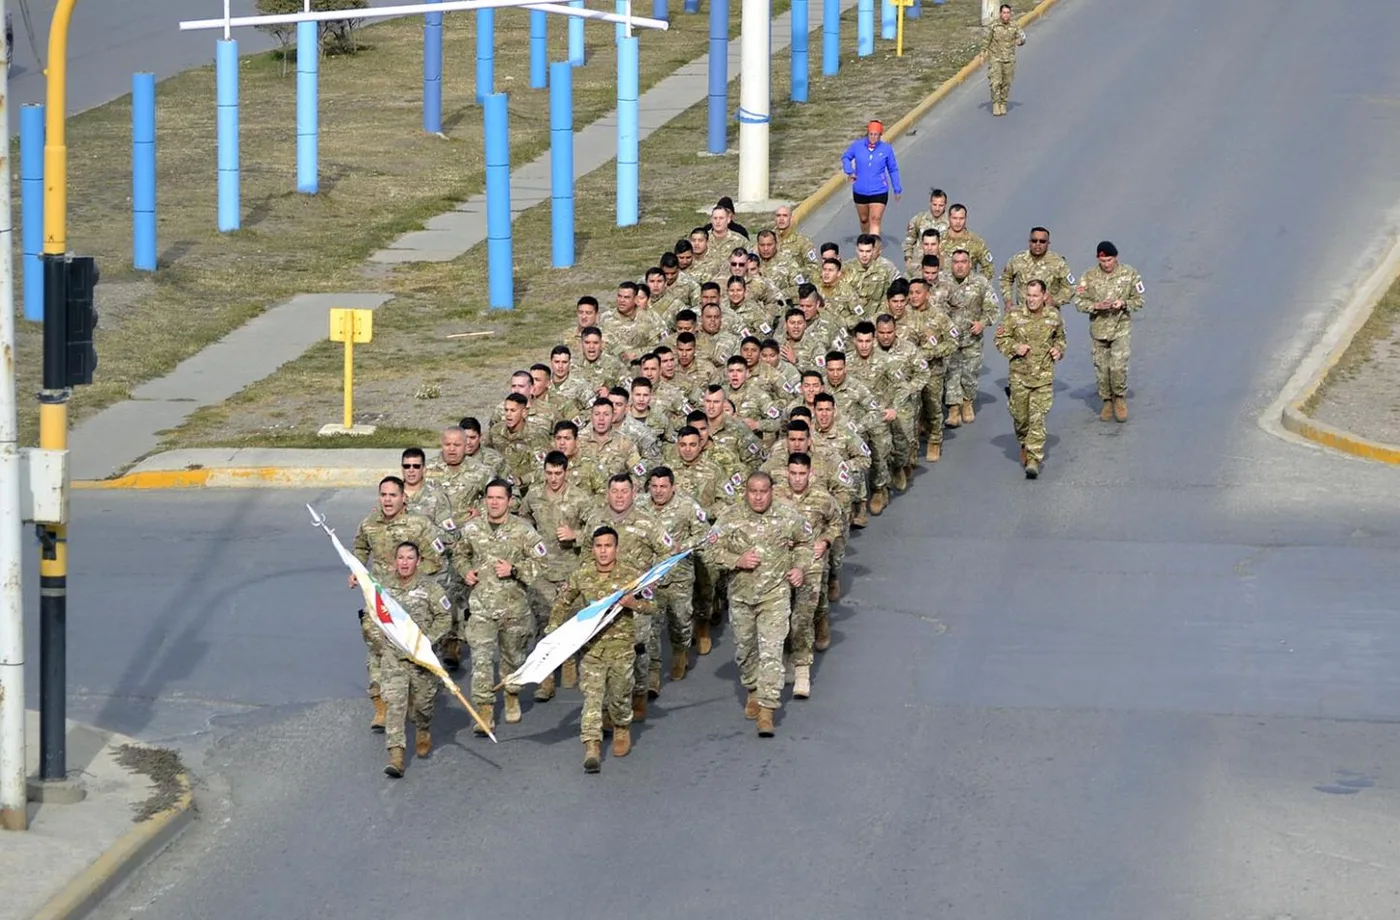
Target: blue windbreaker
[{"x": 871, "y": 166}]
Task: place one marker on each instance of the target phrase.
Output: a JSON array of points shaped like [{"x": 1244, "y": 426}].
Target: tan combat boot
[
  {"x": 751, "y": 708},
  {"x": 833, "y": 589},
  {"x": 969, "y": 415},
  {"x": 512, "y": 708},
  {"x": 822, "y": 641},
  {"x": 680, "y": 663},
  {"x": 422, "y": 741},
  {"x": 802, "y": 687},
  {"x": 654, "y": 682},
  {"x": 900, "y": 480},
  {"x": 639, "y": 707},
  {"x": 702, "y": 637},
  {"x": 381, "y": 711},
  {"x": 861, "y": 519},
  {"x": 765, "y": 723},
  {"x": 934, "y": 452},
  {"x": 592, "y": 756},
  {"x": 622, "y": 742},
  {"x": 954, "y": 418},
  {"x": 568, "y": 674},
  {"x": 488, "y": 716},
  {"x": 545, "y": 691},
  {"x": 1120, "y": 408},
  {"x": 395, "y": 766},
  {"x": 1106, "y": 414},
  {"x": 879, "y": 501},
  {"x": 1032, "y": 468}
]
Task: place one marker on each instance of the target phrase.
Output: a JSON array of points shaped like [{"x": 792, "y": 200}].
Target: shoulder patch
[
  {"x": 639, "y": 469},
  {"x": 541, "y": 549},
  {"x": 729, "y": 489},
  {"x": 773, "y": 412},
  {"x": 737, "y": 478},
  {"x": 1069, "y": 276},
  {"x": 666, "y": 540},
  {"x": 1140, "y": 288},
  {"x": 865, "y": 448},
  {"x": 445, "y": 603},
  {"x": 700, "y": 514},
  {"x": 449, "y": 524},
  {"x": 754, "y": 449},
  {"x": 437, "y": 545},
  {"x": 821, "y": 361}
]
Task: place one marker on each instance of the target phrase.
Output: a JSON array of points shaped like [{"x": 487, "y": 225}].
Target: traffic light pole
[{"x": 53, "y": 408}]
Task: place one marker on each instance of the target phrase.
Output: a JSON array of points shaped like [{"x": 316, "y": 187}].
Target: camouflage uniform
[
  {"x": 1050, "y": 268},
  {"x": 823, "y": 515},
  {"x": 520, "y": 448},
  {"x": 687, "y": 523},
  {"x": 547, "y": 512},
  {"x": 976, "y": 247},
  {"x": 605, "y": 671},
  {"x": 376, "y": 545},
  {"x": 1110, "y": 330},
  {"x": 972, "y": 300},
  {"x": 735, "y": 437},
  {"x": 855, "y": 401},
  {"x": 786, "y": 272},
  {"x": 610, "y": 454},
  {"x": 501, "y": 618},
  {"x": 707, "y": 482},
  {"x": 937, "y": 337},
  {"x": 753, "y": 403},
  {"x": 870, "y": 283},
  {"x": 1000, "y": 52},
  {"x": 760, "y": 600},
  {"x": 607, "y": 371},
  {"x": 907, "y": 374},
  {"x": 632, "y": 335},
  {"x": 716, "y": 348},
  {"x": 1032, "y": 377},
  {"x": 407, "y": 689},
  {"x": 843, "y": 303},
  {"x": 798, "y": 246},
  {"x": 913, "y": 235},
  {"x": 642, "y": 541}
]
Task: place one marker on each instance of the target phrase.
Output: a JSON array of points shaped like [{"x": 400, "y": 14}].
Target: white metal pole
[
  {"x": 755, "y": 51},
  {"x": 416, "y": 9},
  {"x": 13, "y": 807},
  {"x": 228, "y": 21},
  {"x": 990, "y": 10},
  {"x": 627, "y": 26}
]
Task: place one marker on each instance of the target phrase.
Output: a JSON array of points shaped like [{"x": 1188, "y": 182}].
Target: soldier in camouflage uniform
[
  {"x": 1032, "y": 339},
  {"x": 783, "y": 269},
  {"x": 643, "y": 542},
  {"x": 753, "y": 406},
  {"x": 930, "y": 244},
  {"x": 630, "y": 332},
  {"x": 974, "y": 309},
  {"x": 767, "y": 548},
  {"x": 959, "y": 237},
  {"x": 823, "y": 515},
  {"x": 858, "y": 405},
  {"x": 731, "y": 436},
  {"x": 1040, "y": 263},
  {"x": 838, "y": 437},
  {"x": 1110, "y": 293},
  {"x": 699, "y": 475},
  {"x": 376, "y": 546},
  {"x": 604, "y": 448},
  {"x": 999, "y": 50},
  {"x": 935, "y": 218},
  {"x": 429, "y": 499},
  {"x": 842, "y": 302},
  {"x": 933, "y": 330},
  {"x": 605, "y": 670},
  {"x": 791, "y": 241},
  {"x": 687, "y": 522},
  {"x": 498, "y": 556},
  {"x": 557, "y": 510},
  {"x": 871, "y": 275},
  {"x": 519, "y": 439},
  {"x": 908, "y": 374},
  {"x": 407, "y": 689},
  {"x": 595, "y": 367}
]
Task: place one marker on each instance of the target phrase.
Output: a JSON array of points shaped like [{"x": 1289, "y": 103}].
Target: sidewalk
[
  {"x": 74, "y": 854},
  {"x": 114, "y": 439}
]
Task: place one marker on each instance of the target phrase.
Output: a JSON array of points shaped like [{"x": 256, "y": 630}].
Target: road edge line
[
  {"x": 830, "y": 187},
  {"x": 132, "y": 850}
]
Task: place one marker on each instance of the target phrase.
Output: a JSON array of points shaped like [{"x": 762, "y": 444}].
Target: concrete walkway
[
  {"x": 76, "y": 851},
  {"x": 117, "y": 437}
]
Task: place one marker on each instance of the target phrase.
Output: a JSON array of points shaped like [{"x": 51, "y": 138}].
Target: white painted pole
[
  {"x": 13, "y": 807},
  {"x": 755, "y": 47},
  {"x": 416, "y": 9},
  {"x": 228, "y": 19},
  {"x": 990, "y": 10}
]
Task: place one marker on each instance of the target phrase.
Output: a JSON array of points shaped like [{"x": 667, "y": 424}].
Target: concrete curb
[
  {"x": 1318, "y": 366},
  {"x": 129, "y": 853},
  {"x": 241, "y": 478},
  {"x": 822, "y": 195}
]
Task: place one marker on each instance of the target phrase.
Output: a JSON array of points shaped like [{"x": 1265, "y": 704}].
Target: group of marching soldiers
[{"x": 753, "y": 400}]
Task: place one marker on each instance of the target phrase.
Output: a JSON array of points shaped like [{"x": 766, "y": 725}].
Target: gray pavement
[
  {"x": 1158, "y": 683},
  {"x": 65, "y": 839}
]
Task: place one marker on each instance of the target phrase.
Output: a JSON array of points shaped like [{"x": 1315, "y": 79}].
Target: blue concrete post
[
  {"x": 485, "y": 54},
  {"x": 692, "y": 6},
  {"x": 888, "y": 17},
  {"x": 620, "y": 8},
  {"x": 628, "y": 140},
  {"x": 308, "y": 63},
  {"x": 801, "y": 27},
  {"x": 143, "y": 172},
  {"x": 432, "y": 73},
  {"x": 576, "y": 52},
  {"x": 226, "y": 97},
  {"x": 719, "y": 75},
  {"x": 913, "y": 11},
  {"x": 500, "y": 272},
  {"x": 831, "y": 37},
  {"x": 865, "y": 27},
  {"x": 31, "y": 189},
  {"x": 660, "y": 9},
  {"x": 561, "y": 162},
  {"x": 539, "y": 60}
]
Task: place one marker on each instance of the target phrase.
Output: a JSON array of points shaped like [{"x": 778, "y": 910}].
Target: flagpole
[{"x": 457, "y": 692}]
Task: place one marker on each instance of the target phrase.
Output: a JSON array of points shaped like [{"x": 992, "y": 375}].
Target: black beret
[{"x": 1108, "y": 249}]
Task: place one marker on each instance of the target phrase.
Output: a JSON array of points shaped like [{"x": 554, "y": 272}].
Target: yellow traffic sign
[{"x": 351, "y": 325}]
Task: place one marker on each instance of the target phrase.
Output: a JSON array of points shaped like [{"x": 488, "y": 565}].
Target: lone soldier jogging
[
  {"x": 1003, "y": 37},
  {"x": 1110, "y": 293}
]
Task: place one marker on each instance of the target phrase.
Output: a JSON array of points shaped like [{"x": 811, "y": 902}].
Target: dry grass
[
  {"x": 410, "y": 349},
  {"x": 1375, "y": 340},
  {"x": 381, "y": 176}
]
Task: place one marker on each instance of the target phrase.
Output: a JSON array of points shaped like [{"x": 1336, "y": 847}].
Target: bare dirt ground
[{"x": 1363, "y": 393}]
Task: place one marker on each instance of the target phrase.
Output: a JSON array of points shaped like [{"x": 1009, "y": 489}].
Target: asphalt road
[
  {"x": 1159, "y": 682},
  {"x": 110, "y": 40}
]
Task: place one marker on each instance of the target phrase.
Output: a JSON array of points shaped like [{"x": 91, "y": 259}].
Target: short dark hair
[
  {"x": 604, "y": 531},
  {"x": 498, "y": 483},
  {"x": 661, "y": 472},
  {"x": 394, "y": 480},
  {"x": 556, "y": 458}
]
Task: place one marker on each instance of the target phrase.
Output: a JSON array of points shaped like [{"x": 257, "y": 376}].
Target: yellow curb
[
  {"x": 239, "y": 478},
  {"x": 130, "y": 851},
  {"x": 1294, "y": 419},
  {"x": 838, "y": 181}
]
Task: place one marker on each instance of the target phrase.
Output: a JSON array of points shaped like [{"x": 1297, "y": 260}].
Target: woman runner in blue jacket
[{"x": 873, "y": 170}]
